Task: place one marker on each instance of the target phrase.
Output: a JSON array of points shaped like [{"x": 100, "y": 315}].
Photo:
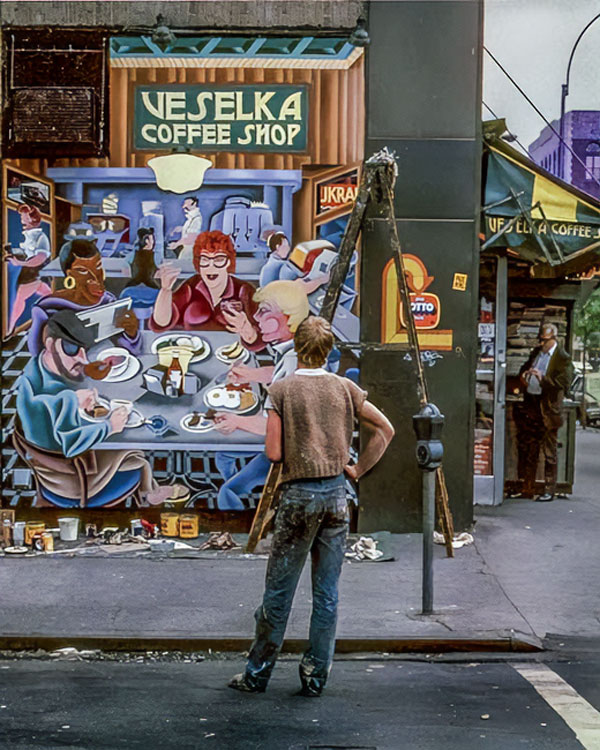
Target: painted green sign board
[{"x": 221, "y": 118}]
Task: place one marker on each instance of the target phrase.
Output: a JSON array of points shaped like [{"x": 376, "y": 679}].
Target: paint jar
[
  {"x": 48, "y": 540},
  {"x": 136, "y": 527},
  {"x": 19, "y": 533},
  {"x": 188, "y": 526},
  {"x": 31, "y": 529},
  {"x": 169, "y": 524},
  {"x": 69, "y": 529}
]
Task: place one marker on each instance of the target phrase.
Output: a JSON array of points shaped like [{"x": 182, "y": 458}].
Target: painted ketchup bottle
[{"x": 174, "y": 378}]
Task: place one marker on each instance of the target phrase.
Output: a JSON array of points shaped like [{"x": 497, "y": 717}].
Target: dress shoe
[
  {"x": 524, "y": 494},
  {"x": 241, "y": 683},
  {"x": 545, "y": 498}
]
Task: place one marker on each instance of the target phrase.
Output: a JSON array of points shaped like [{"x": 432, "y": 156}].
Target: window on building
[
  {"x": 56, "y": 84},
  {"x": 592, "y": 161}
]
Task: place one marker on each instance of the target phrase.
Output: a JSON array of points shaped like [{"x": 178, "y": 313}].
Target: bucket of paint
[
  {"x": 136, "y": 527},
  {"x": 169, "y": 524},
  {"x": 69, "y": 529},
  {"x": 188, "y": 526},
  {"x": 31, "y": 529}
]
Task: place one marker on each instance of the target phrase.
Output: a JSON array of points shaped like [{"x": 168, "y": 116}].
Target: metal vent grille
[
  {"x": 35, "y": 115},
  {"x": 56, "y": 93}
]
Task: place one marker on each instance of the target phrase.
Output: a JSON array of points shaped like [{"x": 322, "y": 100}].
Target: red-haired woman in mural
[
  {"x": 212, "y": 299},
  {"x": 34, "y": 252}
]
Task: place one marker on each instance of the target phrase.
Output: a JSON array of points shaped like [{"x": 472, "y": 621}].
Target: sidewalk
[{"x": 533, "y": 569}]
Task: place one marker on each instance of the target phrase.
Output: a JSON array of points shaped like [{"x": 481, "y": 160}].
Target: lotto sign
[
  {"x": 426, "y": 310},
  {"x": 221, "y": 118}
]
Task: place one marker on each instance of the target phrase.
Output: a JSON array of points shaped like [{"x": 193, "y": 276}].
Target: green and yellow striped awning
[{"x": 529, "y": 210}]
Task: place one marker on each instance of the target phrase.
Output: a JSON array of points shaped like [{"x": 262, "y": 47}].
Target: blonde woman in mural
[
  {"x": 34, "y": 253},
  {"x": 282, "y": 306}
]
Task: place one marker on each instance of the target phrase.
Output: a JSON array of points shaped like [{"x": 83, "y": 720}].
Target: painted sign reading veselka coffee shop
[{"x": 221, "y": 118}]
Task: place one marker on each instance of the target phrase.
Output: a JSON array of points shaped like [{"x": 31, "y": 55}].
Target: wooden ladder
[{"x": 376, "y": 186}]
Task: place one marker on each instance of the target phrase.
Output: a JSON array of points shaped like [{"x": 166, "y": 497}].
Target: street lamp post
[{"x": 563, "y": 99}]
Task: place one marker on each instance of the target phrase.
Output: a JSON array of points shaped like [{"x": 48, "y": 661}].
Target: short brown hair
[
  {"x": 33, "y": 212},
  {"x": 275, "y": 240},
  {"x": 313, "y": 341}
]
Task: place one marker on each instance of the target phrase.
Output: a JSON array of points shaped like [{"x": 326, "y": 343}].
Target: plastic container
[
  {"x": 19, "y": 533},
  {"x": 69, "y": 529}
]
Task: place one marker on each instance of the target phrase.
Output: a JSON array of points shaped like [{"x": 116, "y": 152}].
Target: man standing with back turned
[
  {"x": 546, "y": 376},
  {"x": 311, "y": 416}
]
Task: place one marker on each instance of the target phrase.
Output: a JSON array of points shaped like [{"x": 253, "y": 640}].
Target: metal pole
[
  {"x": 564, "y": 93},
  {"x": 561, "y": 143},
  {"x": 428, "y": 524}
]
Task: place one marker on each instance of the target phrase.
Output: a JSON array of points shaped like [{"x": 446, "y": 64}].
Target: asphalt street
[{"x": 372, "y": 702}]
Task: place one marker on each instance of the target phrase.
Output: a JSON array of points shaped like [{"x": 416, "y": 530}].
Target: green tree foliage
[{"x": 587, "y": 321}]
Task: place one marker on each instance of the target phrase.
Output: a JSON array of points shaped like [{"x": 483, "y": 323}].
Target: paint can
[
  {"x": 188, "y": 526},
  {"x": 37, "y": 542},
  {"x": 48, "y": 540},
  {"x": 136, "y": 527},
  {"x": 169, "y": 524},
  {"x": 31, "y": 529},
  {"x": 69, "y": 529},
  {"x": 19, "y": 533}
]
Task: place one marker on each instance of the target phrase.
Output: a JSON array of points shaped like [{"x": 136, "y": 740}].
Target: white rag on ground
[
  {"x": 365, "y": 548},
  {"x": 460, "y": 540}
]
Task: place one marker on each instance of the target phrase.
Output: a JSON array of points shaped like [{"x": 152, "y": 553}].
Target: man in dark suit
[{"x": 545, "y": 376}]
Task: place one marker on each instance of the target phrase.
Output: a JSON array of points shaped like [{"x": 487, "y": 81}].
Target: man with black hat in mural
[
  {"x": 545, "y": 376},
  {"x": 49, "y": 406}
]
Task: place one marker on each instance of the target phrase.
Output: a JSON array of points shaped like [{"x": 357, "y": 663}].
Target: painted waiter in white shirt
[
  {"x": 33, "y": 254},
  {"x": 191, "y": 228}
]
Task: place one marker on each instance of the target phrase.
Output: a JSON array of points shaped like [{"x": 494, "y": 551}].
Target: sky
[{"x": 533, "y": 40}]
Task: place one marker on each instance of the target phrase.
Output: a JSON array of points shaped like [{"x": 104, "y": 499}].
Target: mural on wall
[{"x": 146, "y": 324}]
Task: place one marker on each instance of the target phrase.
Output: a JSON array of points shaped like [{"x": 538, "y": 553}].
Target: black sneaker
[
  {"x": 312, "y": 687},
  {"x": 240, "y": 682},
  {"x": 547, "y": 497}
]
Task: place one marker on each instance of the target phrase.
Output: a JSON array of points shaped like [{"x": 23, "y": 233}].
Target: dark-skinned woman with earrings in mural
[{"x": 83, "y": 289}]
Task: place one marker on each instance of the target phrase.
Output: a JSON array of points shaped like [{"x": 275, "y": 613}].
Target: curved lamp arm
[{"x": 585, "y": 28}]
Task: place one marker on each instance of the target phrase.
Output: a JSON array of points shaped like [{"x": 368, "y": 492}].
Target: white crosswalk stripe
[{"x": 576, "y": 712}]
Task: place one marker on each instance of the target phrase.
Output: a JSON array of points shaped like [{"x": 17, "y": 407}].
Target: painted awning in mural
[
  {"x": 539, "y": 216},
  {"x": 308, "y": 52}
]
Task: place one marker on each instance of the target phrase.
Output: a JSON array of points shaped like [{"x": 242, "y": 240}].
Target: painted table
[{"x": 177, "y": 441}]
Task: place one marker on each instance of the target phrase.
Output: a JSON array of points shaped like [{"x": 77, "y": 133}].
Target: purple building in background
[{"x": 582, "y": 134}]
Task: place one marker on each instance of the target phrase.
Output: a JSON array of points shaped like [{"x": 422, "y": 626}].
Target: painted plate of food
[
  {"x": 199, "y": 346},
  {"x": 113, "y": 365},
  {"x": 233, "y": 397},
  {"x": 198, "y": 422},
  {"x": 101, "y": 411},
  {"x": 232, "y": 353}
]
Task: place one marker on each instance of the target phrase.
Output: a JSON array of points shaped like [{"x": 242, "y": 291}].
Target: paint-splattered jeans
[{"x": 312, "y": 517}]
